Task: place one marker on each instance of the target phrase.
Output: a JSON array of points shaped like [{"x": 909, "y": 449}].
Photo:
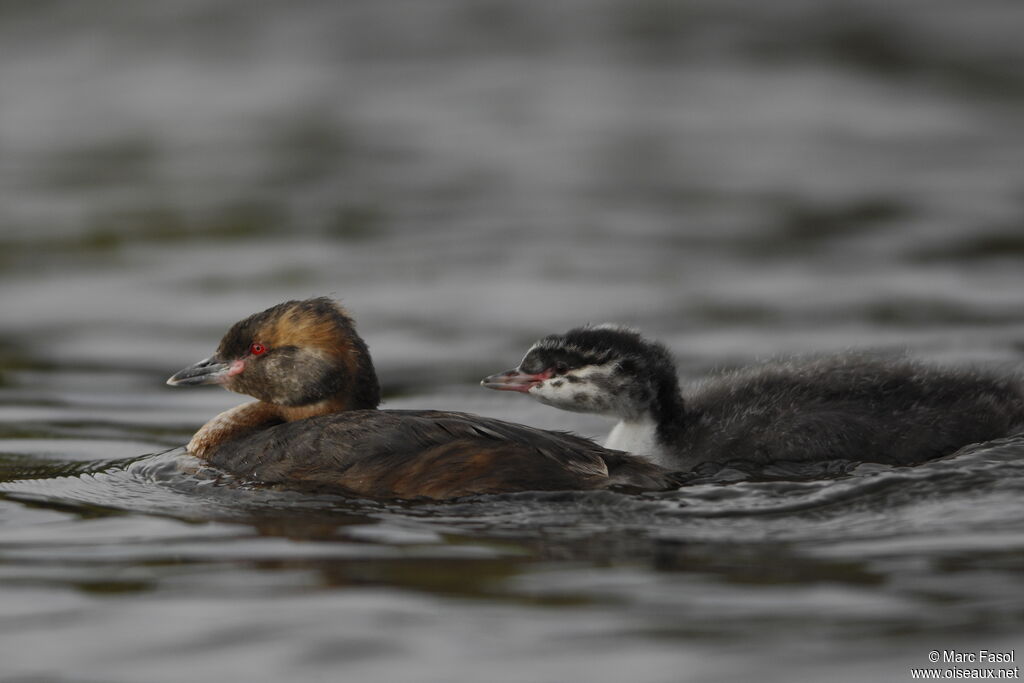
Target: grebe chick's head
[
  {"x": 605, "y": 369},
  {"x": 296, "y": 354}
]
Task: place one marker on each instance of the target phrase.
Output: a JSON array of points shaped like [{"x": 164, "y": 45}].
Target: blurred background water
[{"x": 739, "y": 180}]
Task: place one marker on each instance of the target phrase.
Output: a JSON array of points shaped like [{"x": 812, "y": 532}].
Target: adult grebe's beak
[
  {"x": 209, "y": 371},
  {"x": 513, "y": 380}
]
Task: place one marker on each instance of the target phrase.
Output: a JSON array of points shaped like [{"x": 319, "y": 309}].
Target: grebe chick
[
  {"x": 315, "y": 425},
  {"x": 845, "y": 407}
]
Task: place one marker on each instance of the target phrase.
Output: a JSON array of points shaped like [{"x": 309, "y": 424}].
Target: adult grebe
[
  {"x": 315, "y": 423},
  {"x": 845, "y": 407}
]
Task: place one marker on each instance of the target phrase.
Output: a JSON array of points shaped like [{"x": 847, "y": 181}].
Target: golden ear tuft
[{"x": 323, "y": 328}]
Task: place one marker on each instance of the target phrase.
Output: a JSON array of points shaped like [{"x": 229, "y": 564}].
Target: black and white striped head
[{"x": 605, "y": 369}]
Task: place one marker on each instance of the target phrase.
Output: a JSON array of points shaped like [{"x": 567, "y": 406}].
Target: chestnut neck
[
  {"x": 251, "y": 417},
  {"x": 334, "y": 404}
]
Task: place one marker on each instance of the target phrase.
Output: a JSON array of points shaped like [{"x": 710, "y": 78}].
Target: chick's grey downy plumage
[
  {"x": 845, "y": 407},
  {"x": 849, "y": 407}
]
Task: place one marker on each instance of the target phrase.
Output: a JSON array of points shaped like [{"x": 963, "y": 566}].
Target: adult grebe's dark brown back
[{"x": 315, "y": 423}]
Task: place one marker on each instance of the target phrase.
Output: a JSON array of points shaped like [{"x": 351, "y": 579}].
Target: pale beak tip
[
  {"x": 511, "y": 380},
  {"x": 207, "y": 371}
]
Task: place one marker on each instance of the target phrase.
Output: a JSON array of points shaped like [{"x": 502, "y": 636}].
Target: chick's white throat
[{"x": 638, "y": 437}]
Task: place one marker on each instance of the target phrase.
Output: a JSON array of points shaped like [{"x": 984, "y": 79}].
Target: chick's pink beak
[{"x": 513, "y": 380}]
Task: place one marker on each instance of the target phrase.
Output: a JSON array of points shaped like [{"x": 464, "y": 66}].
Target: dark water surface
[{"x": 739, "y": 181}]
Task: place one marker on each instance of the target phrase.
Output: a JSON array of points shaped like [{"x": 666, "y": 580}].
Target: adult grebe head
[{"x": 296, "y": 354}]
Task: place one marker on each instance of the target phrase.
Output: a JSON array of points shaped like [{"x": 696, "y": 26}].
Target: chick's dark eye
[
  {"x": 256, "y": 348},
  {"x": 561, "y": 367}
]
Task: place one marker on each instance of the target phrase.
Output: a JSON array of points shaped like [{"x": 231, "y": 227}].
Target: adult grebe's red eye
[{"x": 256, "y": 348}]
